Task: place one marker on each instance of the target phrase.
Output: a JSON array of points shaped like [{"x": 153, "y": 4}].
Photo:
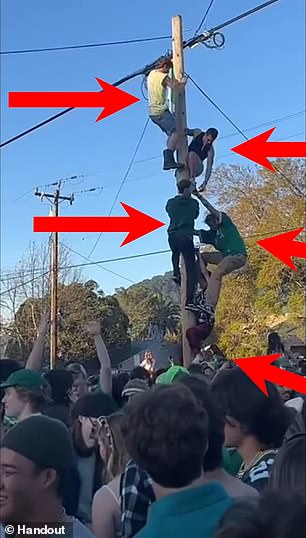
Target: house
[{"x": 295, "y": 345}]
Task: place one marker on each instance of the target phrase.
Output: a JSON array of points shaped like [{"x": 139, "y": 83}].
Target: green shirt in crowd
[
  {"x": 194, "y": 512},
  {"x": 226, "y": 238},
  {"x": 231, "y": 460},
  {"x": 182, "y": 212}
]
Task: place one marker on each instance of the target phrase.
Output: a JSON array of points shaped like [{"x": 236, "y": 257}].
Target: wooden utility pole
[
  {"x": 188, "y": 318},
  {"x": 55, "y": 200},
  {"x": 53, "y": 288}
]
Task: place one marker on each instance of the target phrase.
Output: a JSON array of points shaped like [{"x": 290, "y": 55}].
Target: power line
[
  {"x": 295, "y": 188},
  {"x": 204, "y": 17},
  {"x": 277, "y": 140},
  {"x": 218, "y": 108},
  {"x": 123, "y": 180},
  {"x": 201, "y": 38},
  {"x": 98, "y": 265},
  {"x": 87, "y": 45},
  {"x": 253, "y": 128},
  {"x": 194, "y": 40},
  {"x": 133, "y": 256}
]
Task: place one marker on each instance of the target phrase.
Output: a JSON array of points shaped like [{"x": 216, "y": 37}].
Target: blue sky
[{"x": 257, "y": 77}]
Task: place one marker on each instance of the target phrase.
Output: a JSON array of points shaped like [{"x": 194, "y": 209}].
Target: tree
[
  {"x": 78, "y": 304},
  {"x": 151, "y": 314},
  {"x": 28, "y": 284},
  {"x": 266, "y": 294}
]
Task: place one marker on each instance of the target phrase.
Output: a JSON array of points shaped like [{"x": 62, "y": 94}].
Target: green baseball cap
[
  {"x": 28, "y": 379},
  {"x": 171, "y": 375}
]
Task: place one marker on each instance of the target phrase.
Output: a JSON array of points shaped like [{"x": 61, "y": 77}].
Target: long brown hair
[{"x": 111, "y": 436}]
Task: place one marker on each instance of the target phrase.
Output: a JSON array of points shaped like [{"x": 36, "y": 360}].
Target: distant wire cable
[
  {"x": 88, "y": 45},
  {"x": 144, "y": 70},
  {"x": 132, "y": 257},
  {"x": 266, "y": 124},
  {"x": 217, "y": 107},
  {"x": 277, "y": 140},
  {"x": 276, "y": 120},
  {"x": 123, "y": 180},
  {"x": 280, "y": 172},
  {"x": 144, "y": 89},
  {"x": 199, "y": 28},
  {"x": 99, "y": 265}
]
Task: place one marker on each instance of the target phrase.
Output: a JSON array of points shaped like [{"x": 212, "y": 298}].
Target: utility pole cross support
[{"x": 55, "y": 200}]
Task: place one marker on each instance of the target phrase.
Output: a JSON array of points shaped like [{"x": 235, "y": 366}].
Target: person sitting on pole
[
  {"x": 231, "y": 255},
  {"x": 183, "y": 210},
  {"x": 201, "y": 148},
  {"x": 158, "y": 81}
]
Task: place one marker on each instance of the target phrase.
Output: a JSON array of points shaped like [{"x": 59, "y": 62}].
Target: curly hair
[
  {"x": 166, "y": 431},
  {"x": 266, "y": 418}
]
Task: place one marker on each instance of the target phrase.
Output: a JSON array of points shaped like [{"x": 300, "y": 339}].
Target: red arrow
[
  {"x": 111, "y": 98},
  {"x": 260, "y": 370},
  {"x": 137, "y": 224},
  {"x": 257, "y": 149},
  {"x": 284, "y": 247}
]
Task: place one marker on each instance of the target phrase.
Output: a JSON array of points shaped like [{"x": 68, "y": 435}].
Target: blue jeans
[{"x": 166, "y": 121}]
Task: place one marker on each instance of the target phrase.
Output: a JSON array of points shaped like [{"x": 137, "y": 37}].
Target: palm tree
[{"x": 166, "y": 315}]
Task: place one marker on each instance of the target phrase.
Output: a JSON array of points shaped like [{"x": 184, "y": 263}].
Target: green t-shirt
[
  {"x": 226, "y": 238},
  {"x": 231, "y": 460},
  {"x": 193, "y": 512},
  {"x": 182, "y": 212}
]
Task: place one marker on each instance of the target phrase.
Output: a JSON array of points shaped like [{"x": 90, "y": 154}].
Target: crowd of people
[{"x": 198, "y": 450}]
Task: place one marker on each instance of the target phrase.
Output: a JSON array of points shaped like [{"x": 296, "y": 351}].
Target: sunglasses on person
[{"x": 101, "y": 424}]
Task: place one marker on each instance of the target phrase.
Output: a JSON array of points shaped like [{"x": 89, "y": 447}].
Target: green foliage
[
  {"x": 78, "y": 303},
  {"x": 151, "y": 314},
  {"x": 266, "y": 294},
  {"x": 261, "y": 203}
]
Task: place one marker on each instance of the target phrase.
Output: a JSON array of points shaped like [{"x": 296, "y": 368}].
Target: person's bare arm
[
  {"x": 103, "y": 514},
  {"x": 174, "y": 84},
  {"x": 209, "y": 164},
  {"x": 208, "y": 205},
  {"x": 35, "y": 358},
  {"x": 94, "y": 329},
  {"x": 193, "y": 132}
]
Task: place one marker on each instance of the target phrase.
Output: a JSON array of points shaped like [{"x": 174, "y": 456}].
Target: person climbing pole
[
  {"x": 158, "y": 81},
  {"x": 200, "y": 149},
  {"x": 199, "y": 332},
  {"x": 204, "y": 322},
  {"x": 183, "y": 210},
  {"x": 231, "y": 251}
]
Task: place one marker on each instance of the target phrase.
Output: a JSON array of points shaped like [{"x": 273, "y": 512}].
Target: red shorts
[{"x": 196, "y": 335}]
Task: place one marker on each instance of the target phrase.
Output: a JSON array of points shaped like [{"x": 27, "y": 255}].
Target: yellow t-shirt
[{"x": 157, "y": 94}]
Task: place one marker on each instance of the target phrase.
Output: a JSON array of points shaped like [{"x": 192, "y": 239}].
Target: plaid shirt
[{"x": 136, "y": 494}]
